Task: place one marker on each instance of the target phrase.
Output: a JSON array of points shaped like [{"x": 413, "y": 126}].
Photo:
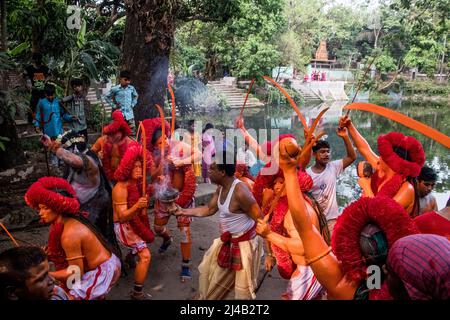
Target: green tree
[
  {"x": 149, "y": 34},
  {"x": 246, "y": 44}
]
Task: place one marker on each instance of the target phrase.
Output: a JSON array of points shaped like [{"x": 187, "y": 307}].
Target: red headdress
[
  {"x": 118, "y": 124},
  {"x": 47, "y": 191},
  {"x": 133, "y": 153},
  {"x": 151, "y": 125},
  {"x": 414, "y": 149},
  {"x": 382, "y": 211},
  {"x": 140, "y": 223}
]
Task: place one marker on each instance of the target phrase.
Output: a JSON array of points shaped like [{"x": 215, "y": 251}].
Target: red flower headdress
[
  {"x": 118, "y": 124},
  {"x": 47, "y": 190},
  {"x": 133, "y": 153},
  {"x": 386, "y": 145},
  {"x": 382, "y": 211},
  {"x": 151, "y": 125}
]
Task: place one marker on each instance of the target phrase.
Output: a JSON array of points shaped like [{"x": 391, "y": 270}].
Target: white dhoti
[
  {"x": 303, "y": 285},
  {"x": 128, "y": 238},
  {"x": 96, "y": 283},
  {"x": 216, "y": 282}
]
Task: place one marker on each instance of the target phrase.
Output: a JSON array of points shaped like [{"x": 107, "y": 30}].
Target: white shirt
[
  {"x": 324, "y": 188},
  {"x": 234, "y": 222},
  {"x": 246, "y": 157}
]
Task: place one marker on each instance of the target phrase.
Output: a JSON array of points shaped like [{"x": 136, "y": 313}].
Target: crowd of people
[{"x": 98, "y": 211}]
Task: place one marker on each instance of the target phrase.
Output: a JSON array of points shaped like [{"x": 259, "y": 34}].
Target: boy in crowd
[
  {"x": 77, "y": 105},
  {"x": 36, "y": 75},
  {"x": 124, "y": 97},
  {"x": 324, "y": 174},
  {"x": 24, "y": 275},
  {"x": 425, "y": 184},
  {"x": 50, "y": 115}
]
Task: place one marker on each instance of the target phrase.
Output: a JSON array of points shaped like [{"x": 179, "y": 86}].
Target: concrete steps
[
  {"x": 235, "y": 97},
  {"x": 304, "y": 91}
]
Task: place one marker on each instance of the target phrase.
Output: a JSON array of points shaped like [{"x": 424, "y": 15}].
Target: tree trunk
[
  {"x": 13, "y": 154},
  {"x": 37, "y": 33},
  {"x": 4, "y": 35},
  {"x": 149, "y": 32}
]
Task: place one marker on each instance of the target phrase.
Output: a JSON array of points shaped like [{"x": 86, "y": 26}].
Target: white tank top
[{"x": 234, "y": 222}]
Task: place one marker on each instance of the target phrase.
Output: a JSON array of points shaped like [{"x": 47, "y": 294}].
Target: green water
[{"x": 370, "y": 126}]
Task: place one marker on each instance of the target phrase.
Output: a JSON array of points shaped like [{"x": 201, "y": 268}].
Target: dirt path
[{"x": 163, "y": 281}]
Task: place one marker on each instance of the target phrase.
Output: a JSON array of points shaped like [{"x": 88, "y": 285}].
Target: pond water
[{"x": 370, "y": 126}]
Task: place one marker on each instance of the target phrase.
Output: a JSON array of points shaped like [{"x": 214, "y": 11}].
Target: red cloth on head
[
  {"x": 422, "y": 262},
  {"x": 230, "y": 255}
]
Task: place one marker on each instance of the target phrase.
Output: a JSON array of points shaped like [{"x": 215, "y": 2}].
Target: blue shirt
[
  {"x": 256, "y": 168},
  {"x": 123, "y": 98},
  {"x": 52, "y": 128}
]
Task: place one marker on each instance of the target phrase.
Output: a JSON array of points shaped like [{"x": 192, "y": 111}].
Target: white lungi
[
  {"x": 128, "y": 238},
  {"x": 303, "y": 286},
  {"x": 96, "y": 283}
]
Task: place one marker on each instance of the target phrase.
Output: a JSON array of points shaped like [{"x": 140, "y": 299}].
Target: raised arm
[
  {"x": 317, "y": 253},
  {"x": 351, "y": 154},
  {"x": 71, "y": 159},
  {"x": 361, "y": 144},
  {"x": 203, "y": 211},
  {"x": 252, "y": 143}
]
